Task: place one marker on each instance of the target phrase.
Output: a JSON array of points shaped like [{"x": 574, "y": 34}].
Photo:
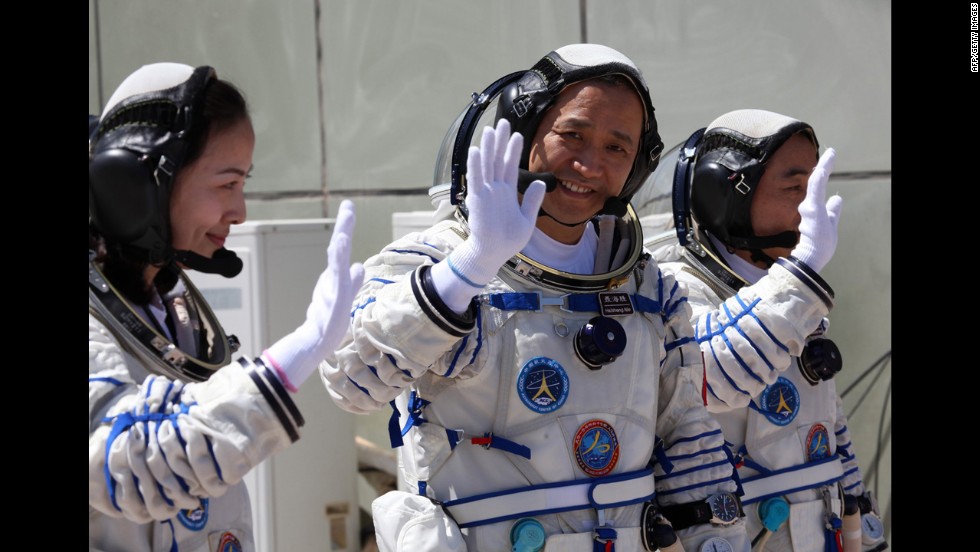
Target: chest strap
[
  {"x": 613, "y": 491},
  {"x": 415, "y": 406},
  {"x": 791, "y": 480},
  {"x": 572, "y": 302}
]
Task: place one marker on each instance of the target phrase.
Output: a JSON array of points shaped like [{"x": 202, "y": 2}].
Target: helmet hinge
[
  {"x": 741, "y": 186},
  {"x": 522, "y": 104}
]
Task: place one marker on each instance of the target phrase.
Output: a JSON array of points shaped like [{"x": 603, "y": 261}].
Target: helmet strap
[
  {"x": 783, "y": 239},
  {"x": 760, "y": 256}
]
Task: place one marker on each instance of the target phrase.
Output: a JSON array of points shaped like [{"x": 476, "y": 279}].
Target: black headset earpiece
[
  {"x": 725, "y": 173},
  {"x": 523, "y": 103},
  {"x": 122, "y": 196}
]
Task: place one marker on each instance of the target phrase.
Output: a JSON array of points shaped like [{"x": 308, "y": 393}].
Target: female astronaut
[{"x": 174, "y": 425}]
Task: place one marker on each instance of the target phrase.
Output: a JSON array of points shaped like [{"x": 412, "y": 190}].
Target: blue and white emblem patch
[
  {"x": 817, "y": 443},
  {"x": 195, "y": 519},
  {"x": 596, "y": 448},
  {"x": 780, "y": 402},
  {"x": 542, "y": 385}
]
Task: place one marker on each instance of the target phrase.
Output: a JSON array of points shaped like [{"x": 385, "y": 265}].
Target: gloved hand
[
  {"x": 818, "y": 229},
  {"x": 500, "y": 226},
  {"x": 296, "y": 355}
]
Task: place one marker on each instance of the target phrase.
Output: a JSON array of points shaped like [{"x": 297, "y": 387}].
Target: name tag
[{"x": 615, "y": 303}]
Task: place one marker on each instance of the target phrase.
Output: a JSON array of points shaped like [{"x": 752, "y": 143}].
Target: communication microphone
[{"x": 525, "y": 178}]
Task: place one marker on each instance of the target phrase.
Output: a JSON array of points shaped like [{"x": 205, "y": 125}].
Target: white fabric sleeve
[
  {"x": 749, "y": 339},
  {"x": 852, "y": 482},
  {"x": 691, "y": 461},
  {"x": 400, "y": 328},
  {"x": 159, "y": 446}
]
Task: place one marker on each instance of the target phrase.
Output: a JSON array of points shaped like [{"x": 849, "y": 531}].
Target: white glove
[
  {"x": 295, "y": 356},
  {"x": 500, "y": 225},
  {"x": 818, "y": 229}
]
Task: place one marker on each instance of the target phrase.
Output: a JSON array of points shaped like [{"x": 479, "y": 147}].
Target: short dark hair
[{"x": 223, "y": 106}]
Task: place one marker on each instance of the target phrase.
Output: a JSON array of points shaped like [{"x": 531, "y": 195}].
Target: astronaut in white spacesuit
[
  {"x": 753, "y": 231},
  {"x": 541, "y": 369},
  {"x": 174, "y": 425}
]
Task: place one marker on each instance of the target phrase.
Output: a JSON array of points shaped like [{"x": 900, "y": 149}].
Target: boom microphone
[{"x": 525, "y": 178}]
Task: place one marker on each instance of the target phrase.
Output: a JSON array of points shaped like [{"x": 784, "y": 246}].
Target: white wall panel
[{"x": 828, "y": 63}]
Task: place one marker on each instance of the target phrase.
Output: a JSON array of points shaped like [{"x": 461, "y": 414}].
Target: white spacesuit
[
  {"x": 781, "y": 416},
  {"x": 560, "y": 401}
]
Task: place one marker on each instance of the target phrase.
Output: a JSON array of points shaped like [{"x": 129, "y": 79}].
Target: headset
[{"x": 134, "y": 155}]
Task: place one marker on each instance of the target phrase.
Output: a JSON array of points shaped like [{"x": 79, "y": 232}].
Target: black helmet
[
  {"x": 137, "y": 149},
  {"x": 523, "y": 97},
  {"x": 728, "y": 164}
]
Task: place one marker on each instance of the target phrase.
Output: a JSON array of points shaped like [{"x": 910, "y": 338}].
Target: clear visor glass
[
  {"x": 653, "y": 202},
  {"x": 442, "y": 181}
]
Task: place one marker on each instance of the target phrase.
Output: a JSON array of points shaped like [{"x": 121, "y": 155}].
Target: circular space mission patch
[
  {"x": 542, "y": 385},
  {"x": 817, "y": 443},
  {"x": 195, "y": 519},
  {"x": 596, "y": 448},
  {"x": 780, "y": 402}
]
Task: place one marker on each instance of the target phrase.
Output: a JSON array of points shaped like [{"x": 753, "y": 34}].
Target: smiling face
[
  {"x": 776, "y": 202},
  {"x": 588, "y": 139},
  {"x": 208, "y": 196}
]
